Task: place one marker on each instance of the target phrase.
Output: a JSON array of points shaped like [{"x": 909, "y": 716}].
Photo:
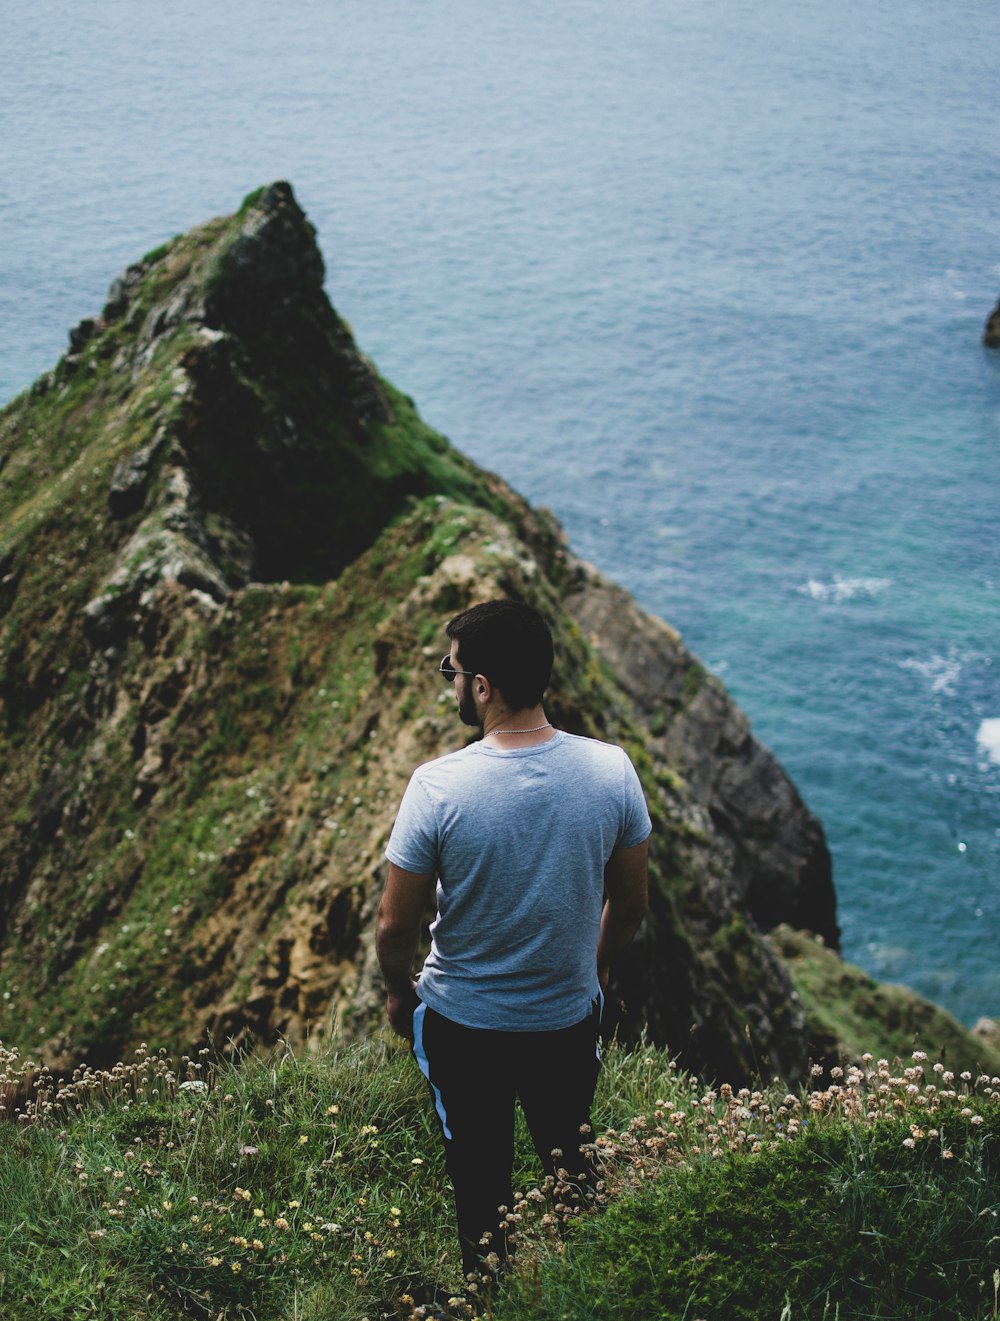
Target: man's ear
[{"x": 482, "y": 687}]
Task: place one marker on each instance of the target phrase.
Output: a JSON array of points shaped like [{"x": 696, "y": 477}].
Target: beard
[{"x": 467, "y": 710}]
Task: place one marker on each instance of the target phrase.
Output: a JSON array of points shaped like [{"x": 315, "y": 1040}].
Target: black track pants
[{"x": 475, "y": 1075}]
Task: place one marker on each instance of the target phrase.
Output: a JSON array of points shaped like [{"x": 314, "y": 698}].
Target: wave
[
  {"x": 843, "y": 589},
  {"x": 988, "y": 738},
  {"x": 941, "y": 672}
]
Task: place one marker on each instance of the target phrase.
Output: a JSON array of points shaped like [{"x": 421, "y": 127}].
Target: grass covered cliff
[{"x": 227, "y": 551}]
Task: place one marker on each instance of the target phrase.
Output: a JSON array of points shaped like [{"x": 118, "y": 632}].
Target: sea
[{"x": 707, "y": 279}]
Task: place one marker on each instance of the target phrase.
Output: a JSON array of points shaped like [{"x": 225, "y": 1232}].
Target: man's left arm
[{"x": 397, "y": 936}]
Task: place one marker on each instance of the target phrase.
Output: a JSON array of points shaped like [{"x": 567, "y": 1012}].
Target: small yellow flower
[
  {"x": 295, "y": 1205},
  {"x": 391, "y": 1253},
  {"x": 215, "y": 1261},
  {"x": 257, "y": 1245},
  {"x": 417, "y": 1160},
  {"x": 258, "y": 1214},
  {"x": 395, "y": 1211},
  {"x": 168, "y": 1206},
  {"x": 303, "y": 1140},
  {"x": 333, "y": 1109},
  {"x": 281, "y": 1223},
  {"x": 235, "y": 1267},
  {"x": 242, "y": 1194}
]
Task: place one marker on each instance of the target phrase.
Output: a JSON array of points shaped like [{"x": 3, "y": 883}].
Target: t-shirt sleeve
[
  {"x": 413, "y": 840},
  {"x": 636, "y": 825}
]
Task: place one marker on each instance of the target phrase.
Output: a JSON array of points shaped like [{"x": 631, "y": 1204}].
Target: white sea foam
[
  {"x": 988, "y": 739},
  {"x": 843, "y": 589},
  {"x": 941, "y": 672}
]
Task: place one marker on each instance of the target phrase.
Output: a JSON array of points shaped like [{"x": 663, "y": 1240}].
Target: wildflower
[
  {"x": 333, "y": 1109},
  {"x": 249, "y": 1151},
  {"x": 417, "y": 1160},
  {"x": 294, "y": 1205},
  {"x": 281, "y": 1223},
  {"x": 215, "y": 1261},
  {"x": 391, "y": 1253},
  {"x": 235, "y": 1267},
  {"x": 303, "y": 1140},
  {"x": 976, "y": 1119},
  {"x": 257, "y": 1245},
  {"x": 194, "y": 1085},
  {"x": 258, "y": 1214},
  {"x": 242, "y": 1195},
  {"x": 908, "y": 1142},
  {"x": 168, "y": 1206}
]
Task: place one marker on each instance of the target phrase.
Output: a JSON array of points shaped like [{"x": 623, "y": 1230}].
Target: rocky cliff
[{"x": 227, "y": 550}]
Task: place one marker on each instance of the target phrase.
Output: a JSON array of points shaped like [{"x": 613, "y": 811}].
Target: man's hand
[{"x": 399, "y": 1010}]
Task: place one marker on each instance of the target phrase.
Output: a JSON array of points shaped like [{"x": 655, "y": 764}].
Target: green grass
[{"x": 313, "y": 1187}]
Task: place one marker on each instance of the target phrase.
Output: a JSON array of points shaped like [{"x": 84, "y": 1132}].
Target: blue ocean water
[{"x": 707, "y": 280}]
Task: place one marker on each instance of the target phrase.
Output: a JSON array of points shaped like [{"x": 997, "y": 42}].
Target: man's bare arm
[
  {"x": 397, "y": 935},
  {"x": 626, "y": 885}
]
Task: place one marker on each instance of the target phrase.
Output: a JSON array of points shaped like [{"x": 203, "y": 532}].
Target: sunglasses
[{"x": 448, "y": 670}]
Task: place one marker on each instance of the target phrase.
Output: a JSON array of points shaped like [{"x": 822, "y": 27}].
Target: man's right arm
[
  {"x": 627, "y": 889},
  {"x": 397, "y": 935}
]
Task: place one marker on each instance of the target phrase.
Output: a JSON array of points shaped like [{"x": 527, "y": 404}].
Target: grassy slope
[
  {"x": 314, "y": 1188},
  {"x": 847, "y": 1009}
]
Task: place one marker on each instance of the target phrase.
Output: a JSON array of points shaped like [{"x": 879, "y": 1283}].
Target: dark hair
[{"x": 509, "y": 643}]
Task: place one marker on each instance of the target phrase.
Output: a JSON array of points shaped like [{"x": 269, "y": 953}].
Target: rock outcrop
[
  {"x": 991, "y": 331},
  {"x": 227, "y": 551}
]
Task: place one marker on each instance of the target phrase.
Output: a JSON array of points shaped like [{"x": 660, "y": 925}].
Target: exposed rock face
[{"x": 227, "y": 552}]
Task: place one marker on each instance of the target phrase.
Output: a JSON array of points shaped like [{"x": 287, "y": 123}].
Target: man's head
[{"x": 509, "y": 643}]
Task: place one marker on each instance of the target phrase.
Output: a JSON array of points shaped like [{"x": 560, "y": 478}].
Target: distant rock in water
[
  {"x": 991, "y": 332},
  {"x": 227, "y": 550}
]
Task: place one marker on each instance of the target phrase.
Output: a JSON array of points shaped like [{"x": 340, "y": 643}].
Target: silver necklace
[{"x": 533, "y": 730}]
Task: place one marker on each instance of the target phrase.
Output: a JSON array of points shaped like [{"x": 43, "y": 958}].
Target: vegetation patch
[{"x": 279, "y": 1186}]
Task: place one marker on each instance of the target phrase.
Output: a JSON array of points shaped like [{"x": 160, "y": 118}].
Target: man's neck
[{"x": 518, "y": 729}]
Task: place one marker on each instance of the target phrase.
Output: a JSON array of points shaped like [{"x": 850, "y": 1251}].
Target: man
[{"x": 526, "y": 830}]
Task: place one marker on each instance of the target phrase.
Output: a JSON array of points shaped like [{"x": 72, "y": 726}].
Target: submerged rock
[{"x": 991, "y": 331}]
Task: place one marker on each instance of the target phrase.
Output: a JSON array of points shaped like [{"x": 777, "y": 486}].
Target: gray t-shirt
[{"x": 519, "y": 839}]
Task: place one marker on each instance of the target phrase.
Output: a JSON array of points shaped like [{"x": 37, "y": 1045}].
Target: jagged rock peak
[{"x": 264, "y": 260}]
